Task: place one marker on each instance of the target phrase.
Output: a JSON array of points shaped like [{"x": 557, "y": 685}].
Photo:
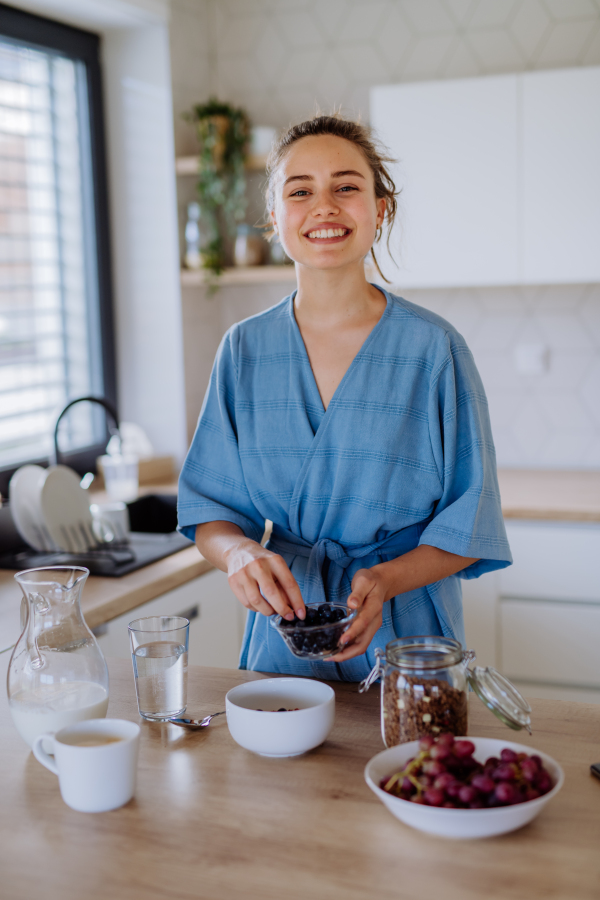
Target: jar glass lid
[{"x": 502, "y": 697}]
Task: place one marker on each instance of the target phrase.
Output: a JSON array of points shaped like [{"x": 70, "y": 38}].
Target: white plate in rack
[
  {"x": 25, "y": 491},
  {"x": 66, "y": 510}
]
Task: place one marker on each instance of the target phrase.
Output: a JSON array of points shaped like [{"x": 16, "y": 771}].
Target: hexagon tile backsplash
[
  {"x": 280, "y": 57},
  {"x": 548, "y": 417}
]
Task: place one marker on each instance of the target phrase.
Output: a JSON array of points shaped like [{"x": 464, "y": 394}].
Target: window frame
[{"x": 84, "y": 46}]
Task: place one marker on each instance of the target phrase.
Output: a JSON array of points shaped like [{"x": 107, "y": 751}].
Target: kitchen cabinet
[
  {"x": 217, "y": 621},
  {"x": 560, "y": 201},
  {"x": 456, "y": 142},
  {"x": 498, "y": 176},
  {"x": 538, "y": 621}
]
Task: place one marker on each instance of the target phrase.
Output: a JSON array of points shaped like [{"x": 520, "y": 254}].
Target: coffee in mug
[
  {"x": 90, "y": 740},
  {"x": 95, "y": 760}
]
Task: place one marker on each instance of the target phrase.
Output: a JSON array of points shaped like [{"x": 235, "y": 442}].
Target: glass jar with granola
[{"x": 424, "y": 686}]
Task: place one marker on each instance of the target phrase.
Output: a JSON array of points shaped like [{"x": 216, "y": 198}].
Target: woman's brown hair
[{"x": 361, "y": 135}]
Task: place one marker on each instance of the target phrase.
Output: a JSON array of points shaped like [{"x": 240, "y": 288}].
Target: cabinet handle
[{"x": 192, "y": 613}]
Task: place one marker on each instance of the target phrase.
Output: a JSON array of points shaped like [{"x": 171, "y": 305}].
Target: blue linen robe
[{"x": 402, "y": 456}]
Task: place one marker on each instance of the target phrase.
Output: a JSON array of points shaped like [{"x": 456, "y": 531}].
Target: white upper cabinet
[
  {"x": 456, "y": 142},
  {"x": 561, "y": 176},
  {"x": 499, "y": 176}
]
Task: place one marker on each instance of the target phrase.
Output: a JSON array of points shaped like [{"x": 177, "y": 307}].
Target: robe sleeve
[
  {"x": 212, "y": 485},
  {"x": 468, "y": 516}
]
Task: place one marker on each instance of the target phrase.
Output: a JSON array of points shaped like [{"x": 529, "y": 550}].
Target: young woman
[{"x": 353, "y": 420}]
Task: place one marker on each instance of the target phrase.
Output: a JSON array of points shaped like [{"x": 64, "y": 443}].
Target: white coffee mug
[
  {"x": 95, "y": 773},
  {"x": 112, "y": 518}
]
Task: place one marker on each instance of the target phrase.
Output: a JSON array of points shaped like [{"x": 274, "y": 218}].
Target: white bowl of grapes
[{"x": 459, "y": 787}]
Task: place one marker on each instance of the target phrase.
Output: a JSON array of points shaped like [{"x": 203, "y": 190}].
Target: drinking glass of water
[{"x": 159, "y": 648}]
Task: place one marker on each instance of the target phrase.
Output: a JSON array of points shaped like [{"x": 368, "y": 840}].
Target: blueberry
[
  {"x": 312, "y": 616},
  {"x": 325, "y": 611}
]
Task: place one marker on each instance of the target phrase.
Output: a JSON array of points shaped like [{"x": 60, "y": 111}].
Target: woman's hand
[
  {"x": 369, "y": 593},
  {"x": 372, "y": 587},
  {"x": 262, "y": 581}
]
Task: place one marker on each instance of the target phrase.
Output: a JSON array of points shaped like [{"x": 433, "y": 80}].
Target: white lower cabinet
[
  {"x": 538, "y": 621},
  {"x": 216, "y": 617}
]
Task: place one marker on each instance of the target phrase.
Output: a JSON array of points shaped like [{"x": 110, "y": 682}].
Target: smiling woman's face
[{"x": 326, "y": 213}]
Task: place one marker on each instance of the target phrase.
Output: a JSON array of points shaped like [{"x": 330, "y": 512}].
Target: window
[{"x": 55, "y": 310}]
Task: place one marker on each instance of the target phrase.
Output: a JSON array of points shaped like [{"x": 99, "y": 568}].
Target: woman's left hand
[{"x": 368, "y": 596}]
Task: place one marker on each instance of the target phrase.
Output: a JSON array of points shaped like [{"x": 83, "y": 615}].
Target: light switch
[{"x": 531, "y": 359}]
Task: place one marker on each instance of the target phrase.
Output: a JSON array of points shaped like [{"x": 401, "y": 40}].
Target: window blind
[{"x": 50, "y": 349}]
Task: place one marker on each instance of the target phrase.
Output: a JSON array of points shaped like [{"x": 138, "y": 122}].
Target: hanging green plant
[{"x": 223, "y": 133}]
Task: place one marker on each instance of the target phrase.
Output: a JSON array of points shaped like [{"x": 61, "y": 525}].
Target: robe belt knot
[{"x": 283, "y": 541}]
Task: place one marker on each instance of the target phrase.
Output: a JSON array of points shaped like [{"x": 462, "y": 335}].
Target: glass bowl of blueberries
[{"x": 318, "y": 635}]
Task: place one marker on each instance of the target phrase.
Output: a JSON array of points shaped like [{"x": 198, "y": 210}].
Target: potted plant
[{"x": 223, "y": 133}]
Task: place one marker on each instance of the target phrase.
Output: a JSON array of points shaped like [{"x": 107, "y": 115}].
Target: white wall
[{"x": 144, "y": 234}]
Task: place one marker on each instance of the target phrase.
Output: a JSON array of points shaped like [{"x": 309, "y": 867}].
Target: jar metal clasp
[
  {"x": 375, "y": 672},
  {"x": 469, "y": 656}
]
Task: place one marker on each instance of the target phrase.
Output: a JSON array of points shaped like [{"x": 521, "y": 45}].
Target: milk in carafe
[{"x": 51, "y": 707}]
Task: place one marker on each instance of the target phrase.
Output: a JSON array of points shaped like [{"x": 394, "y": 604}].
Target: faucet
[{"x": 109, "y": 409}]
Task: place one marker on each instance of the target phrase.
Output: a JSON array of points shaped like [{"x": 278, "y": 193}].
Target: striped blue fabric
[{"x": 403, "y": 456}]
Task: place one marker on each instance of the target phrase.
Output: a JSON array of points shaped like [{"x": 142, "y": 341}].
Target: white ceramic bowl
[
  {"x": 459, "y": 823},
  {"x": 269, "y": 733}
]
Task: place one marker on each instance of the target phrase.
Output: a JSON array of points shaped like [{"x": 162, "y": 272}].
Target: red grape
[
  {"x": 453, "y": 789},
  {"x": 442, "y": 751},
  {"x": 529, "y": 770},
  {"x": 543, "y": 782},
  {"x": 433, "y": 767},
  {"x": 483, "y": 783},
  {"x": 505, "y": 772},
  {"x": 506, "y": 792},
  {"x": 467, "y": 794},
  {"x": 463, "y": 749},
  {"x": 445, "y": 774},
  {"x": 443, "y": 781},
  {"x": 433, "y": 797}
]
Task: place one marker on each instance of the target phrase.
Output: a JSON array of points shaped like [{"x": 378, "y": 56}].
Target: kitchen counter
[
  {"x": 568, "y": 496},
  {"x": 105, "y": 598},
  {"x": 212, "y": 821}
]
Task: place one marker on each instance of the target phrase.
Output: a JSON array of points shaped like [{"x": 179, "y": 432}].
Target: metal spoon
[{"x": 195, "y": 723}]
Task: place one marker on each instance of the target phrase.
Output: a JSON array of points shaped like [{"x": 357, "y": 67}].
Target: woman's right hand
[
  {"x": 259, "y": 578},
  {"x": 262, "y": 581}
]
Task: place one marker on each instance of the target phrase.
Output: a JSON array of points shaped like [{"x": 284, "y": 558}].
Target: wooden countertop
[
  {"x": 568, "y": 496},
  {"x": 105, "y": 598},
  {"x": 211, "y": 821}
]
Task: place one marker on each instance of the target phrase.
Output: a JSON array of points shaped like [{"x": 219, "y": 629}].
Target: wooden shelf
[
  {"x": 240, "y": 275},
  {"x": 188, "y": 165}
]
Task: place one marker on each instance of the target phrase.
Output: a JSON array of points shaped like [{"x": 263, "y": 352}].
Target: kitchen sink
[{"x": 153, "y": 520}]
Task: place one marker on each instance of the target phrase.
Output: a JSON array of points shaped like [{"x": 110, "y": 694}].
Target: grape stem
[{"x": 407, "y": 773}]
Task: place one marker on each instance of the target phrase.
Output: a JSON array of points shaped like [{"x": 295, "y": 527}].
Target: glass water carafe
[{"x": 57, "y": 674}]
